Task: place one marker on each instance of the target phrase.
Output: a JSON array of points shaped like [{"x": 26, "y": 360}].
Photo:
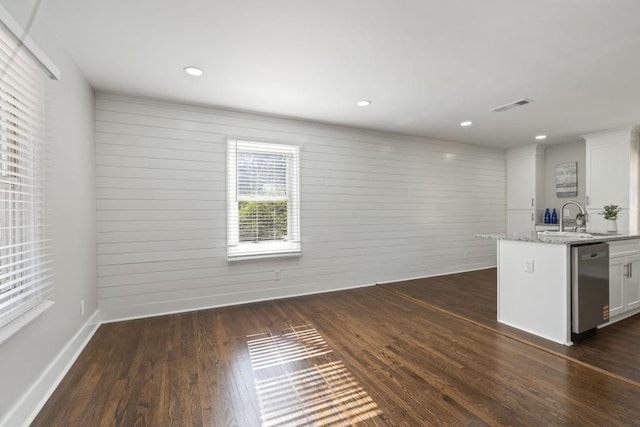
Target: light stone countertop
[{"x": 558, "y": 240}]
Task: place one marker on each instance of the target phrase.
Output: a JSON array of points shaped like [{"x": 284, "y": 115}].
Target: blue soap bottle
[
  {"x": 554, "y": 217},
  {"x": 547, "y": 217}
]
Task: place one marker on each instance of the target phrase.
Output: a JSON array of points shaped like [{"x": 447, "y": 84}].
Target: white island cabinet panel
[{"x": 532, "y": 288}]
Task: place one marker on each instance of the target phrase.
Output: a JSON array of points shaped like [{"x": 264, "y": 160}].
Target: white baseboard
[
  {"x": 120, "y": 314},
  {"x": 30, "y": 404},
  {"x": 162, "y": 308},
  {"x": 467, "y": 270}
]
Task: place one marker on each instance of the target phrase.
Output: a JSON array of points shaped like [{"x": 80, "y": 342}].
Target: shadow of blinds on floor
[{"x": 298, "y": 385}]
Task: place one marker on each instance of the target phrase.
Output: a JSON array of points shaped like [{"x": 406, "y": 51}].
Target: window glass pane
[
  {"x": 262, "y": 221},
  {"x": 262, "y": 174}
]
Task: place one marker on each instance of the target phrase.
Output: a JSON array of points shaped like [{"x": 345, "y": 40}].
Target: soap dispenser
[
  {"x": 554, "y": 217},
  {"x": 547, "y": 217}
]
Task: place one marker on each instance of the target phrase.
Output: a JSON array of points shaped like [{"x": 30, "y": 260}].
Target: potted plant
[
  {"x": 610, "y": 213},
  {"x": 580, "y": 217}
]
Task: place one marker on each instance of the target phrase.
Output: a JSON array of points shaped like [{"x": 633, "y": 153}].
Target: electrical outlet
[
  {"x": 276, "y": 274},
  {"x": 528, "y": 265},
  {"x": 82, "y": 308}
]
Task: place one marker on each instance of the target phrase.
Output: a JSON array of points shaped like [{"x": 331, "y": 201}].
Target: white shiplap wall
[{"x": 374, "y": 208}]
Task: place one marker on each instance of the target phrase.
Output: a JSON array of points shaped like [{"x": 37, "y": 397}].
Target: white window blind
[
  {"x": 262, "y": 200},
  {"x": 25, "y": 277}
]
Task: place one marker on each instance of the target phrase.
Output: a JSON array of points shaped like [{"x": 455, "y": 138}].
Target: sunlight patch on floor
[
  {"x": 297, "y": 343},
  {"x": 320, "y": 393}
]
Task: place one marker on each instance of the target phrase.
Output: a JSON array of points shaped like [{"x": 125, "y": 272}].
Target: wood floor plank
[
  {"x": 369, "y": 356},
  {"x": 519, "y": 359},
  {"x": 473, "y": 296}
]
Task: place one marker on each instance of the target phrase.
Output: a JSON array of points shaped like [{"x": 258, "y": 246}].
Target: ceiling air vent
[{"x": 514, "y": 104}]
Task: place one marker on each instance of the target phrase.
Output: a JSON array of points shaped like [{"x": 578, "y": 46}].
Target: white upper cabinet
[
  {"x": 608, "y": 171},
  {"x": 525, "y": 180},
  {"x": 612, "y": 176}
]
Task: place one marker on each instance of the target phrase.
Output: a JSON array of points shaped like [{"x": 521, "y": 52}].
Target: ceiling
[{"x": 426, "y": 65}]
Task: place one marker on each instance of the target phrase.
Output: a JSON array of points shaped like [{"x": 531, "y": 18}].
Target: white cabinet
[
  {"x": 617, "y": 267},
  {"x": 632, "y": 284},
  {"x": 624, "y": 278},
  {"x": 608, "y": 172},
  {"x": 525, "y": 181},
  {"x": 612, "y": 177},
  {"x": 521, "y": 221},
  {"x": 521, "y": 187}
]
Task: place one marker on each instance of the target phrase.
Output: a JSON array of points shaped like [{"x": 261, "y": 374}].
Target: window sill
[
  {"x": 13, "y": 327},
  {"x": 263, "y": 250},
  {"x": 259, "y": 256}
]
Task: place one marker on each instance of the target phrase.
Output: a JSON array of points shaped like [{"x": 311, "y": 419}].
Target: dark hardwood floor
[
  {"x": 368, "y": 356},
  {"x": 473, "y": 295}
]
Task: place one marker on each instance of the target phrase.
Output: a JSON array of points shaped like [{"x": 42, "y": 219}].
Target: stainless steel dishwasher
[{"x": 589, "y": 287}]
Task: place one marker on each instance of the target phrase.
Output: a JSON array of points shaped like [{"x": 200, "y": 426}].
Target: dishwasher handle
[{"x": 593, "y": 255}]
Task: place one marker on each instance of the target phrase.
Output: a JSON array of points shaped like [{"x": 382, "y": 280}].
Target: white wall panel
[
  {"x": 36, "y": 357},
  {"x": 375, "y": 208}
]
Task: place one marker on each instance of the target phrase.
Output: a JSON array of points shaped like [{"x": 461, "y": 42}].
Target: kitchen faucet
[{"x": 569, "y": 202}]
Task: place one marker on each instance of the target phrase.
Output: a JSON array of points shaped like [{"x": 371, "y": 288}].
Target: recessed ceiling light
[
  {"x": 467, "y": 123},
  {"x": 541, "y": 136},
  {"x": 364, "y": 103},
  {"x": 193, "y": 71}
]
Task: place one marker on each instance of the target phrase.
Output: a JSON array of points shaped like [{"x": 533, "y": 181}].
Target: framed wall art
[{"x": 567, "y": 179}]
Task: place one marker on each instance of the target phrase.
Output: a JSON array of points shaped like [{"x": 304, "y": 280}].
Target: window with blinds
[
  {"x": 25, "y": 279},
  {"x": 262, "y": 200}
]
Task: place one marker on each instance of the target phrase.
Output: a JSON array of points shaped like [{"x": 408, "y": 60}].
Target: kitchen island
[{"x": 534, "y": 279}]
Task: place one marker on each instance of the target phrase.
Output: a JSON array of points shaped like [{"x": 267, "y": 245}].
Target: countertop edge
[{"x": 536, "y": 238}]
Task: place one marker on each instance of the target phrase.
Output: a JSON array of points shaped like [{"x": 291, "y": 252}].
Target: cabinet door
[
  {"x": 521, "y": 186},
  {"x": 632, "y": 283},
  {"x": 617, "y": 272},
  {"x": 608, "y": 174},
  {"x": 522, "y": 222}
]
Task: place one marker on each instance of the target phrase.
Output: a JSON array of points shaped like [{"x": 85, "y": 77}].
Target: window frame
[{"x": 237, "y": 250}]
